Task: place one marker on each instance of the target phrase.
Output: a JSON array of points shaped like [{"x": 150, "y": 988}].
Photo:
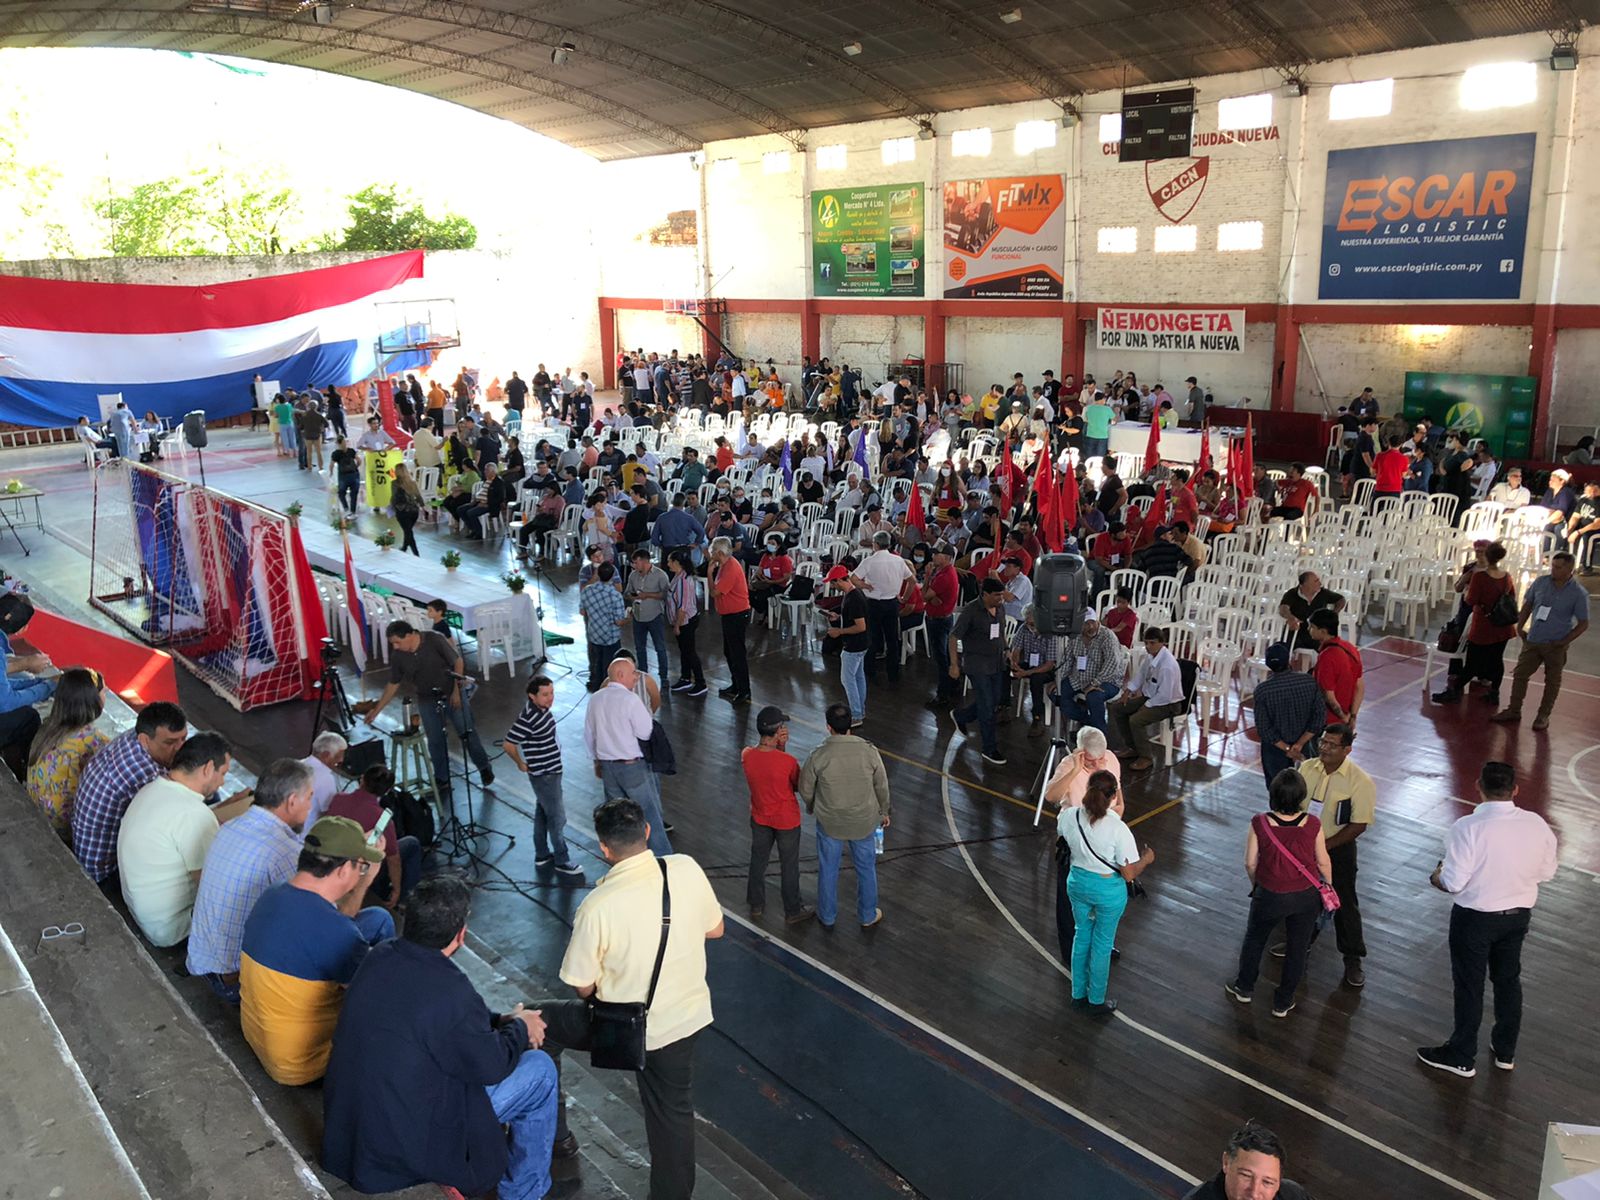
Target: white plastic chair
[{"x": 495, "y": 630}]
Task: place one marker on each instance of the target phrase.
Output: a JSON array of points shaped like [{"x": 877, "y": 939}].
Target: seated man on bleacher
[
  {"x": 424, "y": 1081},
  {"x": 302, "y": 944}
]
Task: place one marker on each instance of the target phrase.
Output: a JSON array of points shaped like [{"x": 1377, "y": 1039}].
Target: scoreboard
[{"x": 1156, "y": 124}]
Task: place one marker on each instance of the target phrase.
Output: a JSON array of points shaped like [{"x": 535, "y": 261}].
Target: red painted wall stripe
[{"x": 122, "y": 308}]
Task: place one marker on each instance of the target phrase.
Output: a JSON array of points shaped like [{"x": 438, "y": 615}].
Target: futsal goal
[{"x": 221, "y": 584}]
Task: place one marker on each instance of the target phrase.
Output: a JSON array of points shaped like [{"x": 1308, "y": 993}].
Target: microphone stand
[{"x": 462, "y": 835}]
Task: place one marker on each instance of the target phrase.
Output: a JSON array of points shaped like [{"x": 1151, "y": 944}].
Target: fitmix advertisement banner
[
  {"x": 868, "y": 241},
  {"x": 1003, "y": 238},
  {"x": 1191, "y": 330},
  {"x": 1441, "y": 220}
]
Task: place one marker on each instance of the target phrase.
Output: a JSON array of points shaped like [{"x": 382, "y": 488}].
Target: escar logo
[{"x": 1367, "y": 202}]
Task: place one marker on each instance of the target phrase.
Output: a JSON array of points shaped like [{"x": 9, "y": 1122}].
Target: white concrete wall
[
  {"x": 760, "y": 336},
  {"x": 1351, "y": 357},
  {"x": 633, "y": 197},
  {"x": 658, "y": 332},
  {"x": 992, "y": 348},
  {"x": 1572, "y": 399},
  {"x": 869, "y": 343}
]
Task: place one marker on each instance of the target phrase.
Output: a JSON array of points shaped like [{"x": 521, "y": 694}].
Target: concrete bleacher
[{"x": 138, "y": 1083}]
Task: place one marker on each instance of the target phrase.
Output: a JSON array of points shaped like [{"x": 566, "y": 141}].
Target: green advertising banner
[
  {"x": 868, "y": 241},
  {"x": 1496, "y": 408}
]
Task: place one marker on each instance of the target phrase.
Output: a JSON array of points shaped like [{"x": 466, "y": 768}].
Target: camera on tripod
[{"x": 332, "y": 652}]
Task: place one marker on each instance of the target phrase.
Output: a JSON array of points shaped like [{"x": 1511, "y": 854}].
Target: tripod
[
  {"x": 461, "y": 835},
  {"x": 6, "y": 517},
  {"x": 1046, "y": 770},
  {"x": 330, "y": 691}
]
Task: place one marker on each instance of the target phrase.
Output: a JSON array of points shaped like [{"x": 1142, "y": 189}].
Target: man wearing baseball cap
[
  {"x": 1290, "y": 712},
  {"x": 302, "y": 944},
  {"x": 854, "y": 640}
]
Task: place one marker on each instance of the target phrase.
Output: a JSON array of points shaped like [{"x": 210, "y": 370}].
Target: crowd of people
[{"x": 288, "y": 893}]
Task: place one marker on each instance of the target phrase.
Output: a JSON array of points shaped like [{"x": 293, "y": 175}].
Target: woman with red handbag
[{"x": 1286, "y": 858}]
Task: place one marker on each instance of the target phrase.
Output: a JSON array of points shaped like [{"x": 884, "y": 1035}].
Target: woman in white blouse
[
  {"x": 1065, "y": 789},
  {"x": 1104, "y": 861}
]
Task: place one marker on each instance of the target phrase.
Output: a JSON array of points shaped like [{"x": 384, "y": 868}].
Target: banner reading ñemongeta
[
  {"x": 1191, "y": 330},
  {"x": 1003, "y": 238},
  {"x": 1427, "y": 220}
]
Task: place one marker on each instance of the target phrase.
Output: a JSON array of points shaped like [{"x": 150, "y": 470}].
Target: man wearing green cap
[{"x": 302, "y": 944}]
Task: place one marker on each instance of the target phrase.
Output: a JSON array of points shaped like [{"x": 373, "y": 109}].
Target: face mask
[
  {"x": 945, "y": 472},
  {"x": 772, "y": 547}
]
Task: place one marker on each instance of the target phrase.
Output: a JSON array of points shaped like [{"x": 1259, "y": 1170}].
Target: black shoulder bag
[
  {"x": 616, "y": 1031},
  {"x": 1135, "y": 888}
]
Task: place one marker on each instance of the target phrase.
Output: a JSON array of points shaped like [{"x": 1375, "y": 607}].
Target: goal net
[{"x": 221, "y": 584}]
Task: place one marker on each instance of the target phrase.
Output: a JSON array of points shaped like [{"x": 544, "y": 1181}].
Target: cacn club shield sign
[{"x": 1175, "y": 192}]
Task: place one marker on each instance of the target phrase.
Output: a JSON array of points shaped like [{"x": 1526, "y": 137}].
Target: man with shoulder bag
[{"x": 637, "y": 960}]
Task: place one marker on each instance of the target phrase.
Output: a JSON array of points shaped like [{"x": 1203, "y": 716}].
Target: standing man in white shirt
[
  {"x": 614, "y": 731},
  {"x": 881, "y": 575},
  {"x": 1495, "y": 858},
  {"x": 326, "y": 757},
  {"x": 1152, "y": 696}
]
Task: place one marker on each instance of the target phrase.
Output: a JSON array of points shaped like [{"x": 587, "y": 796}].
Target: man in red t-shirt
[
  {"x": 730, "y": 594},
  {"x": 1185, "y": 504},
  {"x": 1339, "y": 672},
  {"x": 1122, "y": 620},
  {"x": 402, "y": 856},
  {"x": 1110, "y": 551},
  {"x": 1389, "y": 470},
  {"x": 1295, "y": 494},
  {"x": 941, "y": 588},
  {"x": 772, "y": 774}
]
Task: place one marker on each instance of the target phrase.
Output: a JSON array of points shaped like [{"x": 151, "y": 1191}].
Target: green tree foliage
[
  {"x": 383, "y": 219},
  {"x": 208, "y": 213},
  {"x": 28, "y": 225}
]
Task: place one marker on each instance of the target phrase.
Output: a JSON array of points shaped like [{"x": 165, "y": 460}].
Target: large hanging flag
[
  {"x": 1152, "y": 449},
  {"x": 358, "y": 610},
  {"x": 172, "y": 349}
]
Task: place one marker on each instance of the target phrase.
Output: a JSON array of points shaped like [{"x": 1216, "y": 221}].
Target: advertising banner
[
  {"x": 1192, "y": 330},
  {"x": 1427, "y": 220},
  {"x": 1003, "y": 238},
  {"x": 868, "y": 241},
  {"x": 1497, "y": 408}
]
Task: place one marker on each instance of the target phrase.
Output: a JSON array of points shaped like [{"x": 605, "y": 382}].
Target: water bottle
[{"x": 877, "y": 840}]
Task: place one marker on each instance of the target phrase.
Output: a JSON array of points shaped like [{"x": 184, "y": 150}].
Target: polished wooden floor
[{"x": 968, "y": 943}]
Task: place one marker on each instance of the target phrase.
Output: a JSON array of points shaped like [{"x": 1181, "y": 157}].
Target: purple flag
[{"x": 788, "y": 471}]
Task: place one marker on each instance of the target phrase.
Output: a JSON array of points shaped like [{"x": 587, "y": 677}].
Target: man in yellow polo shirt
[
  {"x": 616, "y": 936},
  {"x": 1343, "y": 796}
]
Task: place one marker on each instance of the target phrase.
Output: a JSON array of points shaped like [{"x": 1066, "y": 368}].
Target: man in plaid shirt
[
  {"x": 605, "y": 612},
  {"x": 110, "y": 780},
  {"x": 1091, "y": 673},
  {"x": 252, "y": 852}
]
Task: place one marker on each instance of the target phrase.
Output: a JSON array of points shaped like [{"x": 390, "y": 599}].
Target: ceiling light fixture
[
  {"x": 925, "y": 131},
  {"x": 1294, "y": 86},
  {"x": 1564, "y": 57},
  {"x": 562, "y": 53},
  {"x": 1069, "y": 115},
  {"x": 852, "y": 48},
  {"x": 1012, "y": 17}
]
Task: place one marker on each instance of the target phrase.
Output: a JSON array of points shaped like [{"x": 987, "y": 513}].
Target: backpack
[{"x": 412, "y": 817}]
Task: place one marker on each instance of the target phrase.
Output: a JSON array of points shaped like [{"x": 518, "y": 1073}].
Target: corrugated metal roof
[{"x": 653, "y": 76}]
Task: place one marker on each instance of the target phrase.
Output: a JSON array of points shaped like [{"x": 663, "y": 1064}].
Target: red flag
[
  {"x": 1044, "y": 489},
  {"x": 1069, "y": 500},
  {"x": 391, "y": 418},
  {"x": 357, "y": 610},
  {"x": 914, "y": 514},
  {"x": 1205, "y": 447},
  {"x": 1005, "y": 468},
  {"x": 1247, "y": 460},
  {"x": 1158, "y": 505},
  {"x": 1152, "y": 450}
]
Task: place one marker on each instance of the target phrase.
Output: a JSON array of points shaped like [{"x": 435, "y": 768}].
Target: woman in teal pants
[{"x": 1104, "y": 860}]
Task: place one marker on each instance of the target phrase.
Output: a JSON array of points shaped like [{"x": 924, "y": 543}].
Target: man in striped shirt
[{"x": 531, "y": 744}]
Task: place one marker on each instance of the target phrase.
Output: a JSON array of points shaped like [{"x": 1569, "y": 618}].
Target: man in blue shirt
[{"x": 1559, "y": 608}]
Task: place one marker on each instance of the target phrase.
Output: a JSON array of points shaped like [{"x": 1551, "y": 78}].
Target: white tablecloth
[
  {"x": 466, "y": 589},
  {"x": 1177, "y": 445}
]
